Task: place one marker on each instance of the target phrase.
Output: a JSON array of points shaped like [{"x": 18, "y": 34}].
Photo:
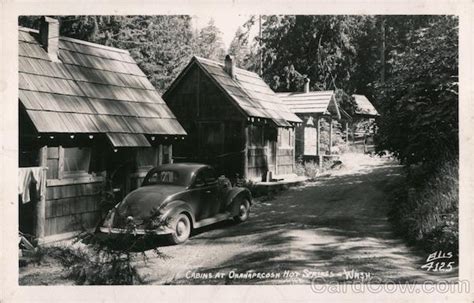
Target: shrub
[
  {"x": 98, "y": 259},
  {"x": 308, "y": 169},
  {"x": 425, "y": 207}
]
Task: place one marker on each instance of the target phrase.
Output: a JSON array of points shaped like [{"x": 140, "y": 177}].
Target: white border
[{"x": 9, "y": 289}]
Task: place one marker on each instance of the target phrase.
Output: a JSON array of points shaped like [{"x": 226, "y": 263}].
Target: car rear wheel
[
  {"x": 181, "y": 227},
  {"x": 244, "y": 211}
]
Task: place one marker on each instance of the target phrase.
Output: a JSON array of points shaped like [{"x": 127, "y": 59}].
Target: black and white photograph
[{"x": 216, "y": 148}]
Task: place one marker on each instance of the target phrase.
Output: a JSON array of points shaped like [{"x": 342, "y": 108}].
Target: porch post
[
  {"x": 318, "y": 141},
  {"x": 318, "y": 137},
  {"x": 160, "y": 154},
  {"x": 245, "y": 164},
  {"x": 330, "y": 136},
  {"x": 41, "y": 203},
  {"x": 170, "y": 153}
]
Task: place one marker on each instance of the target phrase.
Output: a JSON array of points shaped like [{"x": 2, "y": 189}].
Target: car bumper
[{"x": 138, "y": 231}]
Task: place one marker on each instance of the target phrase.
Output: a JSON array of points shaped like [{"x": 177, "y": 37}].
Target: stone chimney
[
  {"x": 229, "y": 66},
  {"x": 306, "y": 85},
  {"x": 49, "y": 37}
]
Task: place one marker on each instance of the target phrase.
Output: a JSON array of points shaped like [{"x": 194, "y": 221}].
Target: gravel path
[{"x": 332, "y": 229}]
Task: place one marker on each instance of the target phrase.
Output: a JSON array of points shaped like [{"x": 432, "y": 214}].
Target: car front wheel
[
  {"x": 181, "y": 227},
  {"x": 244, "y": 211}
]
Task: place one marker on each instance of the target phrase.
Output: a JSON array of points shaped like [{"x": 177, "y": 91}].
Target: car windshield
[{"x": 169, "y": 177}]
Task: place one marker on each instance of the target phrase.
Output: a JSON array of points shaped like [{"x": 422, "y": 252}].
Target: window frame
[{"x": 73, "y": 174}]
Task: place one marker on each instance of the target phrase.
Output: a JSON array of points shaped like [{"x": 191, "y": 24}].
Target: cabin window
[
  {"x": 76, "y": 161},
  {"x": 256, "y": 135},
  {"x": 310, "y": 139},
  {"x": 166, "y": 154},
  {"x": 286, "y": 137},
  {"x": 146, "y": 157}
]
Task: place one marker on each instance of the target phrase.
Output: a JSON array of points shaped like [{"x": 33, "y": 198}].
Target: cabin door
[
  {"x": 271, "y": 156},
  {"x": 271, "y": 149}
]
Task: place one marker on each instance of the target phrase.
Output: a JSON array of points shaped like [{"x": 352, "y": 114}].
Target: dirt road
[{"x": 333, "y": 229}]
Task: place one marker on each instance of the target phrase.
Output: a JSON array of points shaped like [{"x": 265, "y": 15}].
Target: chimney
[
  {"x": 306, "y": 85},
  {"x": 229, "y": 66},
  {"x": 49, "y": 37}
]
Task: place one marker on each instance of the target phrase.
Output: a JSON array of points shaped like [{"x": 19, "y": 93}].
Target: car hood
[{"x": 142, "y": 202}]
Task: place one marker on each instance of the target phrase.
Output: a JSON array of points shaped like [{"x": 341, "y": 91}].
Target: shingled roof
[
  {"x": 247, "y": 90},
  {"x": 364, "y": 106},
  {"x": 91, "y": 89},
  {"x": 317, "y": 102}
]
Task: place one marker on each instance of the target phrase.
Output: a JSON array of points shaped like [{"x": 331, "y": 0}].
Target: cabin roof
[
  {"x": 248, "y": 91},
  {"x": 93, "y": 89},
  {"x": 317, "y": 102},
  {"x": 364, "y": 106}
]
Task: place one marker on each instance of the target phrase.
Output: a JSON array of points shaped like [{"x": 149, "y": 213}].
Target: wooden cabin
[
  {"x": 319, "y": 111},
  {"x": 234, "y": 120},
  {"x": 363, "y": 126},
  {"x": 90, "y": 117}
]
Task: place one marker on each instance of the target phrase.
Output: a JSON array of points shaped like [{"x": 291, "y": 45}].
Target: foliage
[
  {"x": 308, "y": 169},
  {"x": 345, "y": 101},
  {"x": 425, "y": 207},
  {"x": 245, "y": 51},
  {"x": 320, "y": 47},
  {"x": 98, "y": 259},
  {"x": 110, "y": 260},
  {"x": 161, "y": 45},
  {"x": 406, "y": 65},
  {"x": 209, "y": 43},
  {"x": 420, "y": 98}
]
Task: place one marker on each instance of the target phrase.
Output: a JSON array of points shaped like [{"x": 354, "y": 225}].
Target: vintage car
[{"x": 176, "y": 198}]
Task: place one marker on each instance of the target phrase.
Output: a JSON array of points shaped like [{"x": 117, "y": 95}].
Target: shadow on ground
[{"x": 335, "y": 225}]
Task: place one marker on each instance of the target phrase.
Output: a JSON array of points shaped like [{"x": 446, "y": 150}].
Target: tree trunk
[{"x": 382, "y": 50}]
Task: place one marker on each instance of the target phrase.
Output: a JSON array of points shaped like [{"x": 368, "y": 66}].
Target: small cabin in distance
[
  {"x": 363, "y": 126},
  {"x": 313, "y": 139},
  {"x": 234, "y": 121}
]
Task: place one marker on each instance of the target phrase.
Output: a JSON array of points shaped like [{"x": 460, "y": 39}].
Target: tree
[
  {"x": 320, "y": 47},
  {"x": 420, "y": 97},
  {"x": 161, "y": 45},
  {"x": 209, "y": 43},
  {"x": 244, "y": 51}
]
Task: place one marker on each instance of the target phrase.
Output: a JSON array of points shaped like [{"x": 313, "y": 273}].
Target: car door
[
  {"x": 206, "y": 194},
  {"x": 212, "y": 191}
]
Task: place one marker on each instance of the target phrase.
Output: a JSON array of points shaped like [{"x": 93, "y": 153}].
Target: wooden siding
[
  {"x": 247, "y": 91},
  {"x": 212, "y": 122},
  {"x": 197, "y": 98},
  {"x": 285, "y": 161},
  {"x": 72, "y": 207},
  {"x": 219, "y": 133},
  {"x": 53, "y": 163}
]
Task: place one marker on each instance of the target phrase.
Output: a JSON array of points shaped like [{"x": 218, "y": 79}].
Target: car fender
[
  {"x": 234, "y": 195},
  {"x": 176, "y": 207}
]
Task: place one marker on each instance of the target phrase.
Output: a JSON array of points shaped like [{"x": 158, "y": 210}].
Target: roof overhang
[{"x": 127, "y": 140}]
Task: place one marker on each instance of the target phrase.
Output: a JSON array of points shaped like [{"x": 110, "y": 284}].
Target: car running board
[{"x": 212, "y": 220}]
